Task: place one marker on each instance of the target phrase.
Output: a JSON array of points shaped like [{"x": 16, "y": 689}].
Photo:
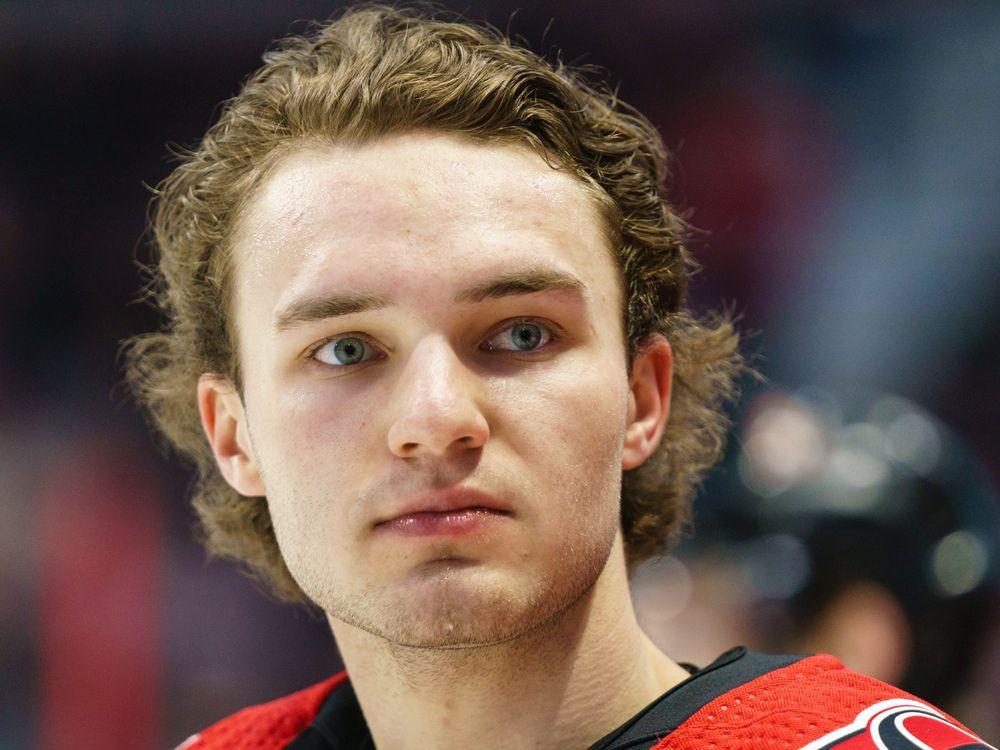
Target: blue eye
[
  {"x": 522, "y": 336},
  {"x": 343, "y": 351}
]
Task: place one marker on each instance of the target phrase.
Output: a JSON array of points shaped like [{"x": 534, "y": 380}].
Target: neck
[{"x": 563, "y": 685}]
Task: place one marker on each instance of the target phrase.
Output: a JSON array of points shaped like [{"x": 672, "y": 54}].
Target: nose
[{"x": 435, "y": 405}]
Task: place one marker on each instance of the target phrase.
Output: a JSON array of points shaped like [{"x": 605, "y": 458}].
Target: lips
[{"x": 444, "y": 500}]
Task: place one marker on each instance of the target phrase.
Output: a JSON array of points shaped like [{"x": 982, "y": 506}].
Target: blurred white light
[
  {"x": 912, "y": 439},
  {"x": 864, "y": 437},
  {"x": 958, "y": 563},
  {"x": 858, "y": 470},
  {"x": 785, "y": 444},
  {"x": 857, "y": 460},
  {"x": 838, "y": 498},
  {"x": 661, "y": 590}
]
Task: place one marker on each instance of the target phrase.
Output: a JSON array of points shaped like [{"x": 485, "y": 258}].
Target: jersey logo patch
[{"x": 899, "y": 724}]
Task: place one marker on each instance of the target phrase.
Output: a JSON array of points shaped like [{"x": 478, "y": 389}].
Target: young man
[{"x": 428, "y": 346}]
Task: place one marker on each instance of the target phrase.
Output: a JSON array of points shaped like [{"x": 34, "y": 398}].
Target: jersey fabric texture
[{"x": 744, "y": 700}]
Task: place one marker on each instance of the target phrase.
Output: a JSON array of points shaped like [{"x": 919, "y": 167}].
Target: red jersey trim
[
  {"x": 803, "y": 705},
  {"x": 267, "y": 725}
]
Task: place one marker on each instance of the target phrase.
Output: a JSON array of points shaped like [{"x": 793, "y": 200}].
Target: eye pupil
[
  {"x": 526, "y": 335},
  {"x": 349, "y": 350}
]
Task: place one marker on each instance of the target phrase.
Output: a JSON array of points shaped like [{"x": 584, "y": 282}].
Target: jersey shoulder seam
[{"x": 279, "y": 720}]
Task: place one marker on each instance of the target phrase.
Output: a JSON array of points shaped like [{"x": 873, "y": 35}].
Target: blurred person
[
  {"x": 880, "y": 614},
  {"x": 871, "y": 534},
  {"x": 427, "y": 344},
  {"x": 892, "y": 489}
]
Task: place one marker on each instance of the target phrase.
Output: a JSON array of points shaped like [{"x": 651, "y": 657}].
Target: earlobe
[
  {"x": 224, "y": 422},
  {"x": 649, "y": 401}
]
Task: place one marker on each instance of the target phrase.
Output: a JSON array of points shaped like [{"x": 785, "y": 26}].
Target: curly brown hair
[{"x": 379, "y": 70}]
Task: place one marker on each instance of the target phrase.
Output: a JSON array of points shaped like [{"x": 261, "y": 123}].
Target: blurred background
[{"x": 843, "y": 160}]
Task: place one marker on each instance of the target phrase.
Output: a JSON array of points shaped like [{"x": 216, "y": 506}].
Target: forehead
[{"x": 405, "y": 210}]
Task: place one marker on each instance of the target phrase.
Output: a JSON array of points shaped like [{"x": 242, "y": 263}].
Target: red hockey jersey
[{"x": 742, "y": 701}]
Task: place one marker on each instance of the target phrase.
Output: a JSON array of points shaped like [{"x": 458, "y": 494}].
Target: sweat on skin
[{"x": 521, "y": 633}]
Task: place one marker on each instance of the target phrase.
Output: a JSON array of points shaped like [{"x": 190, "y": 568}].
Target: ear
[
  {"x": 649, "y": 400},
  {"x": 225, "y": 425}
]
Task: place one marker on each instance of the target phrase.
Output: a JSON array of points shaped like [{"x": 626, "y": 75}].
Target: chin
[
  {"x": 469, "y": 608},
  {"x": 447, "y": 608},
  {"x": 466, "y": 605},
  {"x": 462, "y": 605}
]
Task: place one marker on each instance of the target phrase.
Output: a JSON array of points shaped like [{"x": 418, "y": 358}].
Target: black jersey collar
[
  {"x": 648, "y": 727},
  {"x": 340, "y": 724}
]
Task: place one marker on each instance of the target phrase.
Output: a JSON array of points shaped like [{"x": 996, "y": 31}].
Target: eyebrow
[{"x": 313, "y": 308}]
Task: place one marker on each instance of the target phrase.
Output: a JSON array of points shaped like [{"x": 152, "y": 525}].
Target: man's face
[{"x": 523, "y": 396}]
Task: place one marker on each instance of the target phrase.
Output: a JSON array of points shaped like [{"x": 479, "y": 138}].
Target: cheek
[
  {"x": 321, "y": 421},
  {"x": 568, "y": 427},
  {"x": 313, "y": 450}
]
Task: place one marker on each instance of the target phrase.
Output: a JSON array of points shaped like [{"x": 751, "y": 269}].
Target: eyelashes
[
  {"x": 524, "y": 333},
  {"x": 526, "y": 337},
  {"x": 349, "y": 346}
]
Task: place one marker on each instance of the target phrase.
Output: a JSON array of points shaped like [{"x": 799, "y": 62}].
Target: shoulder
[
  {"x": 816, "y": 703},
  {"x": 268, "y": 725}
]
